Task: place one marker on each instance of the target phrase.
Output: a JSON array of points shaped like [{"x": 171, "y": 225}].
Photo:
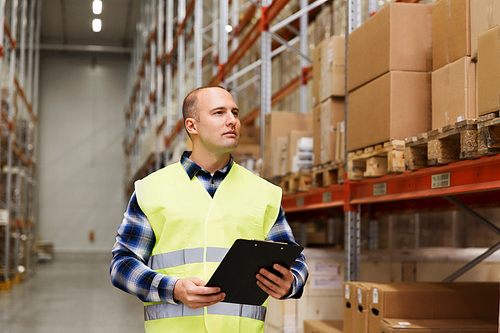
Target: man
[{"x": 182, "y": 219}]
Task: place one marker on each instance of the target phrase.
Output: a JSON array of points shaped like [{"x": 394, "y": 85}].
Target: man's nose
[{"x": 231, "y": 119}]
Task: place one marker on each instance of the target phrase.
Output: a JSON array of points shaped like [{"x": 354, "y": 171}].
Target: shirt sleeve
[
  {"x": 129, "y": 271},
  {"x": 281, "y": 232}
]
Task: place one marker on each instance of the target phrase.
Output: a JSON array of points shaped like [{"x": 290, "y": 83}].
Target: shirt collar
[{"x": 192, "y": 168}]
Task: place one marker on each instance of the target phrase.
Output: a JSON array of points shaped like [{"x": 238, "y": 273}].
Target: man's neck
[{"x": 210, "y": 162}]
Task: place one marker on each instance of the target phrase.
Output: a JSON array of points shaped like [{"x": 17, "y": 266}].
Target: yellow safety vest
[{"x": 193, "y": 233}]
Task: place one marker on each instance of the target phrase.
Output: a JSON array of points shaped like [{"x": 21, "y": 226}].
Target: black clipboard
[{"x": 236, "y": 272}]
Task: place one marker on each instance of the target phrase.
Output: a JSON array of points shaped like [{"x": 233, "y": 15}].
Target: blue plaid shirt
[{"x": 135, "y": 241}]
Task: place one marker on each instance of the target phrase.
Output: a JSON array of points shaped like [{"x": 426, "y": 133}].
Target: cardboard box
[
  {"x": 454, "y": 93},
  {"x": 362, "y": 308},
  {"x": 246, "y": 150},
  {"x": 316, "y": 68},
  {"x": 439, "y": 326},
  {"x": 398, "y": 37},
  {"x": 396, "y": 105},
  {"x": 349, "y": 306},
  {"x": 249, "y": 135},
  {"x": 291, "y": 150},
  {"x": 326, "y": 117},
  {"x": 279, "y": 124},
  {"x": 279, "y": 156},
  {"x": 455, "y": 300},
  {"x": 332, "y": 67},
  {"x": 484, "y": 15},
  {"x": 451, "y": 32},
  {"x": 488, "y": 71},
  {"x": 322, "y": 326}
]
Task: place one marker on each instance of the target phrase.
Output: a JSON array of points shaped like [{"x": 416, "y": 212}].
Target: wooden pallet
[
  {"x": 488, "y": 136},
  {"x": 376, "y": 161},
  {"x": 328, "y": 174},
  {"x": 5, "y": 285},
  {"x": 441, "y": 146},
  {"x": 297, "y": 182}
]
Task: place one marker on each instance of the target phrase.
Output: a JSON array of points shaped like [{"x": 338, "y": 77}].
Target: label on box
[
  {"x": 441, "y": 180},
  {"x": 360, "y": 296},
  {"x": 300, "y": 201},
  {"x": 4, "y": 216},
  {"x": 375, "y": 296},
  {"x": 347, "y": 291},
  {"x": 342, "y": 127},
  {"x": 327, "y": 282},
  {"x": 327, "y": 196},
  {"x": 325, "y": 268}
]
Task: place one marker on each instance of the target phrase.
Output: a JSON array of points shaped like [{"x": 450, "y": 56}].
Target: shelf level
[{"x": 476, "y": 181}]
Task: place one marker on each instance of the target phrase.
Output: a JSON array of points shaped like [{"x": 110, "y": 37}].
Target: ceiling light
[
  {"x": 97, "y": 7},
  {"x": 96, "y": 25},
  {"x": 229, "y": 28}
]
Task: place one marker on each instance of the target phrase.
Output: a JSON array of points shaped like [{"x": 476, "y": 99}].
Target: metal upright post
[
  {"x": 352, "y": 218},
  {"x": 21, "y": 123},
  {"x": 2, "y": 14},
  {"x": 198, "y": 43},
  {"x": 223, "y": 40},
  {"x": 10, "y": 116},
  {"x": 159, "y": 78},
  {"x": 28, "y": 195},
  {"x": 181, "y": 15},
  {"x": 169, "y": 37},
  {"x": 265, "y": 72},
  {"x": 215, "y": 36},
  {"x": 303, "y": 62},
  {"x": 235, "y": 11}
]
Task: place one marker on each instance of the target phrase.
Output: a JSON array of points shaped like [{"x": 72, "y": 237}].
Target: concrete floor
[{"x": 72, "y": 293}]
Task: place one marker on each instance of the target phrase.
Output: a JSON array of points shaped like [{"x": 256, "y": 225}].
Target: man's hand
[
  {"x": 275, "y": 286},
  {"x": 193, "y": 293}
]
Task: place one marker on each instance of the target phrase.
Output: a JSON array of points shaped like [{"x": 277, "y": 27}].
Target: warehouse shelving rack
[
  {"x": 154, "y": 108},
  {"x": 19, "y": 71},
  {"x": 154, "y": 104}
]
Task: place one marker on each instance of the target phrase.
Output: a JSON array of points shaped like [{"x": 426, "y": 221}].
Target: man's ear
[{"x": 190, "y": 125}]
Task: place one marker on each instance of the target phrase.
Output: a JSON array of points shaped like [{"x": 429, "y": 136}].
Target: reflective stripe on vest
[
  {"x": 186, "y": 256},
  {"x": 167, "y": 310}
]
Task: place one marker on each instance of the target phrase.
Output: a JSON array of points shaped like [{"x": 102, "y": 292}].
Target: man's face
[{"x": 219, "y": 126}]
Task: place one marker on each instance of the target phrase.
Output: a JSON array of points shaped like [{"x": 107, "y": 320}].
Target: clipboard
[{"x": 236, "y": 272}]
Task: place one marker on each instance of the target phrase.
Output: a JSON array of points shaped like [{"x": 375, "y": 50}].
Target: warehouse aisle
[{"x": 70, "y": 294}]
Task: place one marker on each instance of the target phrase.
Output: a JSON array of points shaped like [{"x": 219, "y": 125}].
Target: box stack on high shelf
[{"x": 19, "y": 68}]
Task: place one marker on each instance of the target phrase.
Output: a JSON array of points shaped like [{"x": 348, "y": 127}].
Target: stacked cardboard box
[
  {"x": 451, "y": 32},
  {"x": 488, "y": 71},
  {"x": 291, "y": 148},
  {"x": 326, "y": 117},
  {"x": 437, "y": 326},
  {"x": 454, "y": 93},
  {"x": 329, "y": 69},
  {"x": 389, "y": 86},
  {"x": 322, "y": 297},
  {"x": 432, "y": 304},
  {"x": 485, "y": 14},
  {"x": 454, "y": 76},
  {"x": 328, "y": 91},
  {"x": 280, "y": 124},
  {"x": 323, "y": 326}
]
